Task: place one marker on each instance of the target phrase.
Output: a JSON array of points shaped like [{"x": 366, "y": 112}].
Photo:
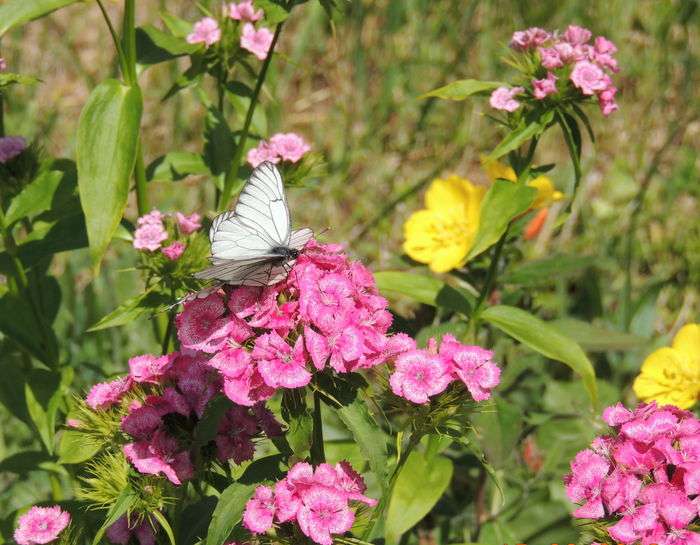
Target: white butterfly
[{"x": 254, "y": 245}]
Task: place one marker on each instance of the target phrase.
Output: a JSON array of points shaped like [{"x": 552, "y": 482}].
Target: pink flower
[
  {"x": 234, "y": 440},
  {"x": 174, "y": 251},
  {"x": 154, "y": 217},
  {"x": 473, "y": 366},
  {"x": 206, "y": 31},
  {"x": 121, "y": 531},
  {"x": 106, "y": 394},
  {"x": 606, "y": 101},
  {"x": 258, "y": 42},
  {"x": 588, "y": 77},
  {"x": 279, "y": 364},
  {"x": 41, "y": 525},
  {"x": 259, "y": 511},
  {"x": 419, "y": 375},
  {"x": 616, "y": 415},
  {"x": 324, "y": 511},
  {"x": 148, "y": 368},
  {"x": 11, "y": 147},
  {"x": 351, "y": 482},
  {"x": 142, "y": 421},
  {"x": 149, "y": 237},
  {"x": 188, "y": 224},
  {"x": 550, "y": 58},
  {"x": 503, "y": 98},
  {"x": 264, "y": 152},
  {"x": 160, "y": 454},
  {"x": 584, "y": 484},
  {"x": 202, "y": 325},
  {"x": 529, "y": 39},
  {"x": 243, "y": 383},
  {"x": 544, "y": 87},
  {"x": 289, "y": 146},
  {"x": 244, "y": 11},
  {"x": 577, "y": 35},
  {"x": 3, "y": 65}
]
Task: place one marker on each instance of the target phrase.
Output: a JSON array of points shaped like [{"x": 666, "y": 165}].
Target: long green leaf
[
  {"x": 420, "y": 484},
  {"x": 545, "y": 339},
  {"x": 76, "y": 447},
  {"x": 150, "y": 302},
  {"x": 34, "y": 198},
  {"x": 597, "y": 339},
  {"x": 18, "y": 12},
  {"x": 546, "y": 270},
  {"x": 228, "y": 512},
  {"x": 424, "y": 289},
  {"x": 160, "y": 517},
  {"x": 503, "y": 201},
  {"x": 124, "y": 502},
  {"x": 108, "y": 133},
  {"x": 463, "y": 88}
]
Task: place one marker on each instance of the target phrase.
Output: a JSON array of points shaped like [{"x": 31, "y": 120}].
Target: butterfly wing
[
  {"x": 245, "y": 272},
  {"x": 299, "y": 238}
]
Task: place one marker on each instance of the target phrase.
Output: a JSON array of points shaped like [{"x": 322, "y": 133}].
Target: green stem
[
  {"x": 493, "y": 271},
  {"x": 117, "y": 44},
  {"x": 318, "y": 455},
  {"x": 129, "y": 37},
  {"x": 232, "y": 174}
]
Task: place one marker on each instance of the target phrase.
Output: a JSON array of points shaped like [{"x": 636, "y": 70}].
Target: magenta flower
[
  {"x": 503, "y": 98},
  {"x": 160, "y": 454},
  {"x": 542, "y": 88},
  {"x": 188, "y": 224},
  {"x": 243, "y": 383},
  {"x": 585, "y": 483},
  {"x": 149, "y": 368},
  {"x": 142, "y": 421},
  {"x": 11, "y": 147},
  {"x": 205, "y": 31},
  {"x": 529, "y": 39},
  {"x": 149, "y": 236},
  {"x": 550, "y": 58},
  {"x": 263, "y": 152},
  {"x": 351, "y": 483},
  {"x": 577, "y": 35},
  {"x": 324, "y": 511},
  {"x": 244, "y": 11},
  {"x": 234, "y": 439},
  {"x": 121, "y": 531},
  {"x": 419, "y": 375},
  {"x": 589, "y": 78},
  {"x": 203, "y": 325},
  {"x": 289, "y": 146},
  {"x": 279, "y": 364},
  {"x": 174, "y": 251},
  {"x": 258, "y": 42},
  {"x": 41, "y": 525},
  {"x": 473, "y": 366},
  {"x": 260, "y": 511},
  {"x": 106, "y": 394}
]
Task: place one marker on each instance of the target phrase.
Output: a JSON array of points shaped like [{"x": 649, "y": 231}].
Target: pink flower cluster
[
  {"x": 317, "y": 499},
  {"x": 11, "y": 147},
  {"x": 41, "y": 525},
  {"x": 151, "y": 232},
  {"x": 287, "y": 146},
  {"x": 421, "y": 374},
  {"x": 571, "y": 56},
  {"x": 643, "y": 480}
]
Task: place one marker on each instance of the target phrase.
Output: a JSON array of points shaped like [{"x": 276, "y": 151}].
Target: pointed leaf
[
  {"x": 18, "y": 12},
  {"x": 34, "y": 198},
  {"x": 124, "y": 503},
  {"x": 148, "y": 303},
  {"x": 228, "y": 512},
  {"x": 463, "y": 88},
  {"x": 424, "y": 289}
]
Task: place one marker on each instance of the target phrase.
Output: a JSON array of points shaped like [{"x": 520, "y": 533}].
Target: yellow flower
[
  {"x": 442, "y": 234},
  {"x": 671, "y": 375},
  {"x": 546, "y": 193}
]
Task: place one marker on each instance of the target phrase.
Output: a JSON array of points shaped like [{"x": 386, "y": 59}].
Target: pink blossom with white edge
[
  {"x": 258, "y": 42},
  {"x": 419, "y": 375},
  {"x": 149, "y": 237},
  {"x": 263, "y": 152},
  {"x": 148, "y": 368},
  {"x": 41, "y": 525},
  {"x": 589, "y": 78},
  {"x": 244, "y": 11},
  {"x": 289, "y": 146},
  {"x": 529, "y": 39},
  {"x": 503, "y": 98},
  {"x": 542, "y": 88},
  {"x": 11, "y": 147},
  {"x": 206, "y": 31},
  {"x": 174, "y": 251},
  {"x": 107, "y": 394},
  {"x": 188, "y": 224}
]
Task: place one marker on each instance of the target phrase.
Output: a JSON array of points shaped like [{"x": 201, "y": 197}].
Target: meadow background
[{"x": 351, "y": 85}]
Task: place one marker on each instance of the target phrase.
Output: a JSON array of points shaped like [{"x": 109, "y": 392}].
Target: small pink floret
[
  {"x": 41, "y": 525},
  {"x": 205, "y": 31},
  {"x": 258, "y": 42}
]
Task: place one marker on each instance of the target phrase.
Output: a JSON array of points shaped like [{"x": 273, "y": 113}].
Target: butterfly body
[{"x": 254, "y": 244}]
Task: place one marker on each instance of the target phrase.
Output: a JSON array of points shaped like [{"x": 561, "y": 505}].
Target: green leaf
[
  {"x": 206, "y": 428},
  {"x": 463, "y": 88},
  {"x": 545, "y": 339},
  {"x": 420, "y": 484},
  {"x": 8, "y": 78},
  {"x": 522, "y": 134},
  {"x": 108, "y": 134},
  {"x": 274, "y": 12},
  {"x": 572, "y": 137},
  {"x": 148, "y": 303},
  {"x": 76, "y": 447},
  {"x": 160, "y": 517},
  {"x": 34, "y": 198},
  {"x": 368, "y": 436},
  {"x": 457, "y": 329},
  {"x": 176, "y": 165},
  {"x": 23, "y": 462},
  {"x": 596, "y": 339},
  {"x": 180, "y": 28},
  {"x": 228, "y": 512},
  {"x": 121, "y": 506},
  {"x": 218, "y": 142},
  {"x": 424, "y": 289},
  {"x": 503, "y": 201},
  {"x": 18, "y": 12},
  {"x": 44, "y": 392},
  {"x": 299, "y": 433},
  {"x": 191, "y": 526},
  {"x": 19, "y": 323},
  {"x": 544, "y": 271},
  {"x": 154, "y": 46}
]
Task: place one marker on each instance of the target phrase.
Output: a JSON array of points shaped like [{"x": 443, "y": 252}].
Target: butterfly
[{"x": 254, "y": 244}]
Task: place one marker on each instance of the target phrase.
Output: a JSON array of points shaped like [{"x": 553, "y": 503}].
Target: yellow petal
[
  {"x": 666, "y": 378},
  {"x": 495, "y": 169},
  {"x": 687, "y": 342},
  {"x": 546, "y": 193},
  {"x": 453, "y": 192}
]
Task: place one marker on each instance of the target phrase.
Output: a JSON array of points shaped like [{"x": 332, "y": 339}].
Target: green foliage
[
  {"x": 17, "y": 12},
  {"x": 463, "y": 89},
  {"x": 228, "y": 512}
]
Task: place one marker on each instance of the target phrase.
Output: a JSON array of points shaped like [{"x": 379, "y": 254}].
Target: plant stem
[
  {"x": 493, "y": 271},
  {"x": 129, "y": 41},
  {"x": 232, "y": 174},
  {"x": 115, "y": 39},
  {"x": 318, "y": 455}
]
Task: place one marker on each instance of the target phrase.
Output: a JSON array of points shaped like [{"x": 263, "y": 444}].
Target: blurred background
[{"x": 352, "y": 86}]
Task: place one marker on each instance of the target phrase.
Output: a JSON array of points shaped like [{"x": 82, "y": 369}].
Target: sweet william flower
[
  {"x": 206, "y": 31},
  {"x": 160, "y": 454},
  {"x": 258, "y": 42},
  {"x": 528, "y": 39},
  {"x": 442, "y": 234},
  {"x": 577, "y": 35},
  {"x": 149, "y": 236},
  {"x": 148, "y": 368},
  {"x": 281, "y": 365},
  {"x": 188, "y": 224},
  {"x": 261, "y": 153},
  {"x": 260, "y": 510},
  {"x": 244, "y": 11},
  {"x": 503, "y": 98},
  {"x": 542, "y": 88},
  {"x": 671, "y": 375},
  {"x": 324, "y": 511},
  {"x": 289, "y": 146},
  {"x": 11, "y": 147},
  {"x": 589, "y": 78},
  {"x": 106, "y": 394},
  {"x": 174, "y": 251},
  {"x": 41, "y": 525},
  {"x": 419, "y": 375}
]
